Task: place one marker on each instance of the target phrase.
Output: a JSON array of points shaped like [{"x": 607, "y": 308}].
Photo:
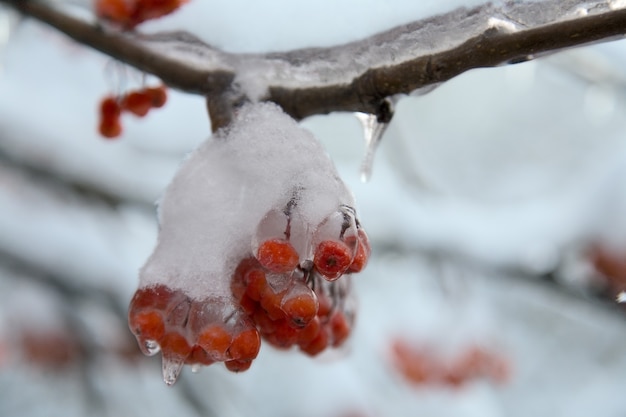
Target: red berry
[
  {"x": 309, "y": 332},
  {"x": 256, "y": 284},
  {"x": 110, "y": 108},
  {"x": 215, "y": 340},
  {"x": 157, "y": 297},
  {"x": 137, "y": 102},
  {"x": 158, "y": 95},
  {"x": 245, "y": 345},
  {"x": 363, "y": 253},
  {"x": 325, "y": 305},
  {"x": 265, "y": 324},
  {"x": 238, "y": 365},
  {"x": 332, "y": 259},
  {"x": 317, "y": 345},
  {"x": 339, "y": 328},
  {"x": 148, "y": 325},
  {"x": 270, "y": 302},
  {"x": 300, "y": 305},
  {"x": 278, "y": 255},
  {"x": 110, "y": 128},
  {"x": 199, "y": 356},
  {"x": 175, "y": 344},
  {"x": 284, "y": 336}
]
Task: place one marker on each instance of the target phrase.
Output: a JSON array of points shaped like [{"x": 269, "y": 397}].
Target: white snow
[{"x": 211, "y": 210}]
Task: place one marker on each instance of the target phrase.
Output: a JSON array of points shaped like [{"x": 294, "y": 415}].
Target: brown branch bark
[{"x": 437, "y": 52}]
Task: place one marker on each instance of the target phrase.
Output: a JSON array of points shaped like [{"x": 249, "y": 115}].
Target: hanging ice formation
[
  {"x": 374, "y": 126},
  {"x": 258, "y": 239}
]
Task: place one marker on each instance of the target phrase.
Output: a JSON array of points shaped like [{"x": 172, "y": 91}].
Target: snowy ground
[{"x": 493, "y": 179}]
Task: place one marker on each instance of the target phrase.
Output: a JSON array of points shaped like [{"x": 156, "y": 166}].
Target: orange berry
[
  {"x": 339, "y": 328},
  {"x": 157, "y": 297},
  {"x": 199, "y": 356},
  {"x": 270, "y": 302},
  {"x": 245, "y": 345},
  {"x": 119, "y": 11},
  {"x": 278, "y": 255},
  {"x": 332, "y": 259},
  {"x": 284, "y": 336},
  {"x": 147, "y": 324},
  {"x": 215, "y": 340},
  {"x": 300, "y": 307},
  {"x": 317, "y": 345},
  {"x": 158, "y": 95},
  {"x": 110, "y": 128},
  {"x": 174, "y": 343},
  {"x": 238, "y": 283},
  {"x": 325, "y": 305},
  {"x": 265, "y": 324},
  {"x": 309, "y": 332},
  {"x": 363, "y": 253},
  {"x": 248, "y": 305},
  {"x": 256, "y": 283},
  {"x": 110, "y": 108},
  {"x": 137, "y": 102},
  {"x": 238, "y": 365}
]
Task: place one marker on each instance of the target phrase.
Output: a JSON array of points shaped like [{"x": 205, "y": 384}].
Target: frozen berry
[
  {"x": 158, "y": 95},
  {"x": 300, "y": 305},
  {"x": 245, "y": 345},
  {"x": 363, "y": 252},
  {"x": 317, "y": 345},
  {"x": 199, "y": 356},
  {"x": 332, "y": 259},
  {"x": 339, "y": 328},
  {"x": 278, "y": 255},
  {"x": 148, "y": 325},
  {"x": 175, "y": 344},
  {"x": 215, "y": 340},
  {"x": 137, "y": 102},
  {"x": 309, "y": 332},
  {"x": 238, "y": 365}
]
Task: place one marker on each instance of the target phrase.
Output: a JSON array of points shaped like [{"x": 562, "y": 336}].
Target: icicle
[
  {"x": 172, "y": 366},
  {"x": 374, "y": 126}
]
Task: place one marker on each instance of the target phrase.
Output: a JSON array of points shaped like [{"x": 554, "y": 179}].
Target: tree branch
[{"x": 356, "y": 76}]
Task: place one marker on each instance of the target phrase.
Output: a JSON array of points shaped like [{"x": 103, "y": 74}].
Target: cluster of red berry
[
  {"x": 289, "y": 297},
  {"x": 188, "y": 331},
  {"x": 137, "y": 102},
  {"x": 130, "y": 13},
  {"x": 421, "y": 366}
]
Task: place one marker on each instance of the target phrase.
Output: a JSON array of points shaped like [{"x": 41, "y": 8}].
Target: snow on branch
[{"x": 357, "y": 76}]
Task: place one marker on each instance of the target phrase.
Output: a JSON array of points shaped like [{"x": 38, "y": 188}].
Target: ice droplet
[
  {"x": 151, "y": 348},
  {"x": 621, "y": 297},
  {"x": 374, "y": 126},
  {"x": 172, "y": 366},
  {"x": 195, "y": 368}
]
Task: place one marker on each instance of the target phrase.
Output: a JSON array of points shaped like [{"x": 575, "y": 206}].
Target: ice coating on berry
[
  {"x": 256, "y": 229},
  {"x": 277, "y": 255}
]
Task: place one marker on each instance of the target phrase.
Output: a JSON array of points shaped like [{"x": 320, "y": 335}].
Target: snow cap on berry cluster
[{"x": 210, "y": 211}]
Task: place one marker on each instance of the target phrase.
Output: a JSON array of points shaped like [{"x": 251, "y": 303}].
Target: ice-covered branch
[{"x": 356, "y": 76}]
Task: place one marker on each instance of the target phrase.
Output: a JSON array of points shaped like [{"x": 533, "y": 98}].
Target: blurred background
[{"x": 495, "y": 212}]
